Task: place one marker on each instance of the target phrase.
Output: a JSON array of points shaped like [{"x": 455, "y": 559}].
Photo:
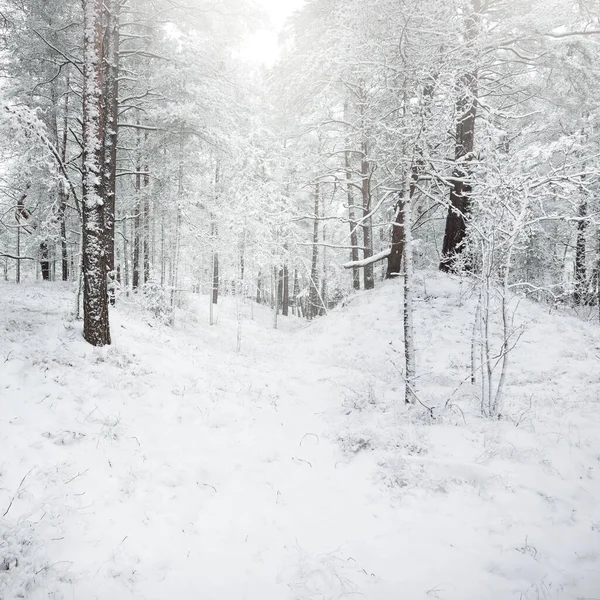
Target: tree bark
[
  {"x": 409, "y": 342},
  {"x": 394, "y": 265},
  {"x": 460, "y": 193},
  {"x": 580, "y": 292},
  {"x": 137, "y": 233},
  {"x": 96, "y": 329},
  {"x": 111, "y": 108},
  {"x": 313, "y": 308}
]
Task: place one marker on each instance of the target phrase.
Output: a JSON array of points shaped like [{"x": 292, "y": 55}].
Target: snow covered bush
[
  {"x": 156, "y": 300},
  {"x": 22, "y": 560}
]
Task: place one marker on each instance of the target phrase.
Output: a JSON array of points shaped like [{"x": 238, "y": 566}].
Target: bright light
[{"x": 263, "y": 46}]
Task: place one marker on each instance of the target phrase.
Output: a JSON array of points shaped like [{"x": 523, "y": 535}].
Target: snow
[{"x": 169, "y": 466}]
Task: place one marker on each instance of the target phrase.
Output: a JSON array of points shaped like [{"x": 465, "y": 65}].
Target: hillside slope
[{"x": 168, "y": 466}]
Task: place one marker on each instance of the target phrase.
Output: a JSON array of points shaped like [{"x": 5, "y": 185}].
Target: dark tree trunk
[
  {"x": 111, "y": 108},
  {"x": 258, "y": 288},
  {"x": 64, "y": 254},
  {"x": 215, "y": 282},
  {"x": 44, "y": 261},
  {"x": 279, "y": 275},
  {"x": 580, "y": 292},
  {"x": 399, "y": 231},
  {"x": 394, "y": 265},
  {"x": 460, "y": 193},
  {"x": 96, "y": 328}
]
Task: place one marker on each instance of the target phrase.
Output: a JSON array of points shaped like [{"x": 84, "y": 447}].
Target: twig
[
  {"x": 76, "y": 476},
  {"x": 207, "y": 485},
  {"x": 412, "y": 391},
  {"x": 307, "y": 434},
  {"x": 18, "y": 490}
]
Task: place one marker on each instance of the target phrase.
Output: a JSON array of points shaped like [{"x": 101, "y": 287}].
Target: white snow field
[{"x": 171, "y": 467}]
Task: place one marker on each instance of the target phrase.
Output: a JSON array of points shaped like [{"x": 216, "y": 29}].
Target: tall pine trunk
[
  {"x": 96, "y": 328},
  {"x": 580, "y": 291},
  {"x": 461, "y": 190},
  {"x": 111, "y": 108}
]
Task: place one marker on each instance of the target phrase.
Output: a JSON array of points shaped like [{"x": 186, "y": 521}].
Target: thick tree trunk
[
  {"x": 111, "y": 108},
  {"x": 394, "y": 265},
  {"x": 580, "y": 292},
  {"x": 460, "y": 193},
  {"x": 96, "y": 328},
  {"x": 44, "y": 261}
]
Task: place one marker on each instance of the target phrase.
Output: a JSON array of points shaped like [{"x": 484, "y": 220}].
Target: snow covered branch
[{"x": 368, "y": 261}]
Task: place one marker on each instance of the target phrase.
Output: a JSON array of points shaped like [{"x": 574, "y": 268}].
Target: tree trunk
[
  {"x": 313, "y": 308},
  {"x": 111, "y": 108},
  {"x": 367, "y": 227},
  {"x": 146, "y": 225},
  {"x": 44, "y": 261},
  {"x": 215, "y": 278},
  {"x": 137, "y": 233},
  {"x": 394, "y": 265},
  {"x": 460, "y": 192},
  {"x": 580, "y": 292},
  {"x": 351, "y": 212},
  {"x": 409, "y": 343},
  {"x": 63, "y": 190},
  {"x": 96, "y": 328},
  {"x": 285, "y": 308}
]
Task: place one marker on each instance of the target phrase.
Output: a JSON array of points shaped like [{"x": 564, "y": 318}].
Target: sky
[{"x": 263, "y": 47}]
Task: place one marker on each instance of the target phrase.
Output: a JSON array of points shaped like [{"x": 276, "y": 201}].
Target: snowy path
[
  {"x": 170, "y": 467},
  {"x": 176, "y": 471}
]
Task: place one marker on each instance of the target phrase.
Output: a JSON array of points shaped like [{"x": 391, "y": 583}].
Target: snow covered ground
[{"x": 171, "y": 467}]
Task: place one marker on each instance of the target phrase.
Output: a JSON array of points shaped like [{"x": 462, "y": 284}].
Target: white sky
[{"x": 263, "y": 47}]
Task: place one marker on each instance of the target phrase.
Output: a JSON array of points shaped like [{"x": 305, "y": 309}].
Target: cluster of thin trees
[{"x": 148, "y": 156}]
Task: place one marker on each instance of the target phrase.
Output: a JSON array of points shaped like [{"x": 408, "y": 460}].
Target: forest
[{"x": 392, "y": 203}]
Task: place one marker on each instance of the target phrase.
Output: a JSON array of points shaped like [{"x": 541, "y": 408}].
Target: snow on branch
[
  {"x": 368, "y": 261},
  {"x": 4, "y": 255}
]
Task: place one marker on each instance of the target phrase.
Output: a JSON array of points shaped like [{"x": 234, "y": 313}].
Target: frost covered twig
[{"x": 17, "y": 492}]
